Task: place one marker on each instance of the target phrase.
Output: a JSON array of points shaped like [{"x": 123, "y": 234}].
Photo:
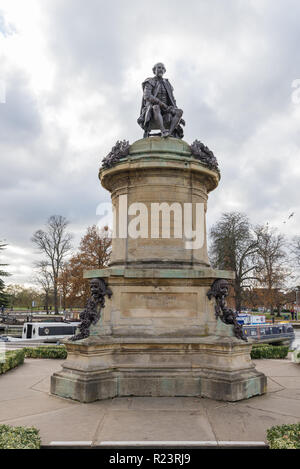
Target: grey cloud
[
  {"x": 246, "y": 51},
  {"x": 20, "y": 120}
]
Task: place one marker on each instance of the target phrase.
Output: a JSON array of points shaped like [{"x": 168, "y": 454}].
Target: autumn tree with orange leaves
[{"x": 94, "y": 253}]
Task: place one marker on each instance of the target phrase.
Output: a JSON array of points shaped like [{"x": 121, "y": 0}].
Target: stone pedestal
[
  {"x": 216, "y": 367},
  {"x": 158, "y": 335}
]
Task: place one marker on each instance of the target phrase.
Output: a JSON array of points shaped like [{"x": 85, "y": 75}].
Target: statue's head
[
  {"x": 159, "y": 69},
  {"x": 223, "y": 287},
  {"x": 219, "y": 288},
  {"x": 97, "y": 286}
]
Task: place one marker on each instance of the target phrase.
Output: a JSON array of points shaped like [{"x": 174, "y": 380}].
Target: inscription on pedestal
[{"x": 158, "y": 305}]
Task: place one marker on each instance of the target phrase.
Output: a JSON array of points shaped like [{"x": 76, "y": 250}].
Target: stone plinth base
[{"x": 215, "y": 367}]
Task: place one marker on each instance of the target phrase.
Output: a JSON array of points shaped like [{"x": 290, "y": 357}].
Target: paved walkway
[{"x": 25, "y": 400}]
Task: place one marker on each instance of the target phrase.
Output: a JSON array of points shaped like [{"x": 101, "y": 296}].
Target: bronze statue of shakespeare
[{"x": 159, "y": 109}]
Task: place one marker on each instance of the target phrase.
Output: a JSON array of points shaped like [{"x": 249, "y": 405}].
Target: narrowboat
[
  {"x": 48, "y": 331},
  {"x": 256, "y": 328}
]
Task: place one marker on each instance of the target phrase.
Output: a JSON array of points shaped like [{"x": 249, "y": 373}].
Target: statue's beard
[{"x": 97, "y": 296}]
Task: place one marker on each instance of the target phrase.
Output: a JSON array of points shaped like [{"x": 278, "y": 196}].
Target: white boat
[{"x": 48, "y": 331}]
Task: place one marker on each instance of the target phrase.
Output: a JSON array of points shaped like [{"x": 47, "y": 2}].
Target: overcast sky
[{"x": 73, "y": 71}]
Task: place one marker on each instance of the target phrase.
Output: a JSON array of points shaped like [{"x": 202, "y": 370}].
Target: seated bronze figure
[{"x": 159, "y": 109}]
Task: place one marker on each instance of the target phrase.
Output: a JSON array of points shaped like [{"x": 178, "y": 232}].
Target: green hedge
[
  {"x": 12, "y": 359},
  {"x": 284, "y": 436},
  {"x": 269, "y": 351},
  {"x": 19, "y": 437},
  {"x": 58, "y": 351}
]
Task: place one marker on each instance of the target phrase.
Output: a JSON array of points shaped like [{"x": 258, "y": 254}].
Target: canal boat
[
  {"x": 257, "y": 329},
  {"x": 48, "y": 331}
]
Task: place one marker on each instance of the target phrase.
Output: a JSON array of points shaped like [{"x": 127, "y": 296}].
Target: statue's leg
[
  {"x": 175, "y": 120},
  {"x": 159, "y": 120}
]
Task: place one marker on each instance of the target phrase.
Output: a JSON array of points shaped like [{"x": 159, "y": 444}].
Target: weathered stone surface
[
  {"x": 219, "y": 368},
  {"x": 158, "y": 334},
  {"x": 158, "y": 303},
  {"x": 158, "y": 171}
]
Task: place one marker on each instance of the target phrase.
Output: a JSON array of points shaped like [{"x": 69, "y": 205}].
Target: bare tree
[
  {"x": 55, "y": 244},
  {"x": 233, "y": 247},
  {"x": 64, "y": 283},
  {"x": 94, "y": 252},
  {"x": 44, "y": 278},
  {"x": 295, "y": 250},
  {"x": 272, "y": 261}
]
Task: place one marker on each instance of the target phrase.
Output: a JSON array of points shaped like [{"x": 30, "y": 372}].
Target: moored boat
[
  {"x": 256, "y": 328},
  {"x": 48, "y": 331}
]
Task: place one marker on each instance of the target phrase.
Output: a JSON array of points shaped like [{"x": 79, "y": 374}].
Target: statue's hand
[
  {"x": 171, "y": 110},
  {"x": 163, "y": 106},
  {"x": 182, "y": 122},
  {"x": 154, "y": 100}
]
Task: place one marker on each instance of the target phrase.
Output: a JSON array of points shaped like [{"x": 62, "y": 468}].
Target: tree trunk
[
  {"x": 55, "y": 296},
  {"x": 238, "y": 297},
  {"x": 278, "y": 311},
  {"x": 64, "y": 301},
  {"x": 47, "y": 302}
]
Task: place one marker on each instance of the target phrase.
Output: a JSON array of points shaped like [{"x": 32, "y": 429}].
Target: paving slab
[
  {"x": 157, "y": 403},
  {"x": 42, "y": 385},
  {"x": 155, "y": 425},
  {"x": 120, "y": 403},
  {"x": 276, "y": 405},
  {"x": 25, "y": 400},
  {"x": 78, "y": 423},
  {"x": 18, "y": 382},
  {"x": 275, "y": 368},
  {"x": 289, "y": 393},
  {"x": 243, "y": 423},
  {"x": 30, "y": 406},
  {"x": 288, "y": 382},
  {"x": 274, "y": 385}
]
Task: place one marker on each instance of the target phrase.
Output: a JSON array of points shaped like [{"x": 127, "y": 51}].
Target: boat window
[
  {"x": 29, "y": 331},
  {"x": 57, "y": 330}
]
